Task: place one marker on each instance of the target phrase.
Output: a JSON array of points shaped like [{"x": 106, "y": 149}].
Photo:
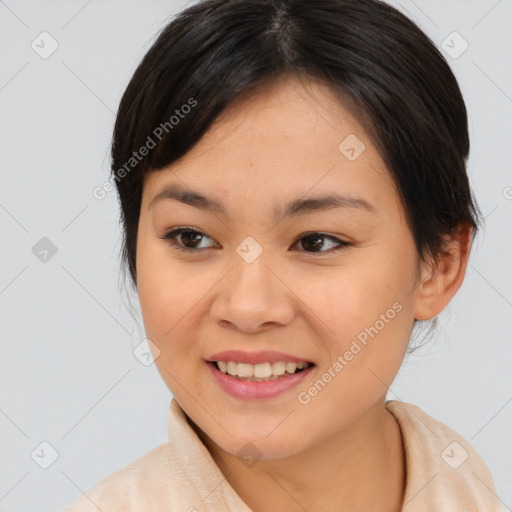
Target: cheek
[
  {"x": 163, "y": 292},
  {"x": 168, "y": 310},
  {"x": 173, "y": 296},
  {"x": 354, "y": 296},
  {"x": 166, "y": 303},
  {"x": 368, "y": 308}
]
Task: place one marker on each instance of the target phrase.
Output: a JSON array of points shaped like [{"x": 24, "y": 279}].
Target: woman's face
[{"x": 256, "y": 279}]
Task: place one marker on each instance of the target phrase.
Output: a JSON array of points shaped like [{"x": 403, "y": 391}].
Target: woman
[{"x": 292, "y": 179}]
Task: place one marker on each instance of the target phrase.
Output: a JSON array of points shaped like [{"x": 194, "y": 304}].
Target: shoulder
[
  {"x": 444, "y": 471},
  {"x": 154, "y": 474},
  {"x": 178, "y": 475}
]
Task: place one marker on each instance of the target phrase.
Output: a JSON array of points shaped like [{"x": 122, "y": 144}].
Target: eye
[
  {"x": 315, "y": 240},
  {"x": 189, "y": 240},
  {"x": 189, "y": 237}
]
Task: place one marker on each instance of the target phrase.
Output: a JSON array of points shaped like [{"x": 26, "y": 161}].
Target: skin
[{"x": 343, "y": 450}]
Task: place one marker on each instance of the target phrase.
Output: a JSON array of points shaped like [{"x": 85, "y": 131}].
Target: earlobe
[{"x": 442, "y": 276}]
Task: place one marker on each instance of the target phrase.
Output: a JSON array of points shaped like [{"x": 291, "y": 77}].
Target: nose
[{"x": 253, "y": 297}]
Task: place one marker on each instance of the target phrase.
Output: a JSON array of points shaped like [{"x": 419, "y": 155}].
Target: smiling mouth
[{"x": 260, "y": 372}]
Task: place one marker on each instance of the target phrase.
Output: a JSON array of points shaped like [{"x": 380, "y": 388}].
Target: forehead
[
  {"x": 296, "y": 109},
  {"x": 295, "y": 134}
]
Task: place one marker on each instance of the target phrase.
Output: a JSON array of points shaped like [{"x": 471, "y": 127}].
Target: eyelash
[{"x": 173, "y": 233}]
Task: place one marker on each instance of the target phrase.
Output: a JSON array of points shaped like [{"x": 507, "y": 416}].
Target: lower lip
[{"x": 247, "y": 389}]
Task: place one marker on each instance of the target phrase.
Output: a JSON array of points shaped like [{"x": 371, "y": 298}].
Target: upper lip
[{"x": 265, "y": 356}]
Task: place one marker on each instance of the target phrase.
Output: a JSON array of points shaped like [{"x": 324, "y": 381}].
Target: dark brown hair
[{"x": 372, "y": 56}]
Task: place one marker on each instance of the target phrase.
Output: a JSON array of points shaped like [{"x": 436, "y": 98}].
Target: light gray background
[{"x": 68, "y": 375}]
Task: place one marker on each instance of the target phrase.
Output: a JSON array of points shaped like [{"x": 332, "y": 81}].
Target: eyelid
[{"x": 168, "y": 235}]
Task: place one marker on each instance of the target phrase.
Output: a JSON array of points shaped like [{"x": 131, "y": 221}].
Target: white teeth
[
  {"x": 232, "y": 368},
  {"x": 278, "y": 368},
  {"x": 245, "y": 370},
  {"x": 291, "y": 367},
  {"x": 261, "y": 371}
]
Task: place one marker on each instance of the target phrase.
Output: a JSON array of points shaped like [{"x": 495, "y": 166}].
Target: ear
[{"x": 442, "y": 277}]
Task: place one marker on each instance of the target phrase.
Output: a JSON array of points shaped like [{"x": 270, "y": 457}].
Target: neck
[{"x": 358, "y": 469}]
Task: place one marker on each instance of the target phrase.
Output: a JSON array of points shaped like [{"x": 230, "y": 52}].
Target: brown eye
[
  {"x": 189, "y": 240},
  {"x": 185, "y": 239},
  {"x": 313, "y": 242},
  {"x": 190, "y": 237}
]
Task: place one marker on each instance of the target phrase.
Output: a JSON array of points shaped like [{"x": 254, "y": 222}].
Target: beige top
[{"x": 444, "y": 473}]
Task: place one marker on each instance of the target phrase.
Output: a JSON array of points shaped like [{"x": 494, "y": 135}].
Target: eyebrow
[{"x": 293, "y": 208}]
